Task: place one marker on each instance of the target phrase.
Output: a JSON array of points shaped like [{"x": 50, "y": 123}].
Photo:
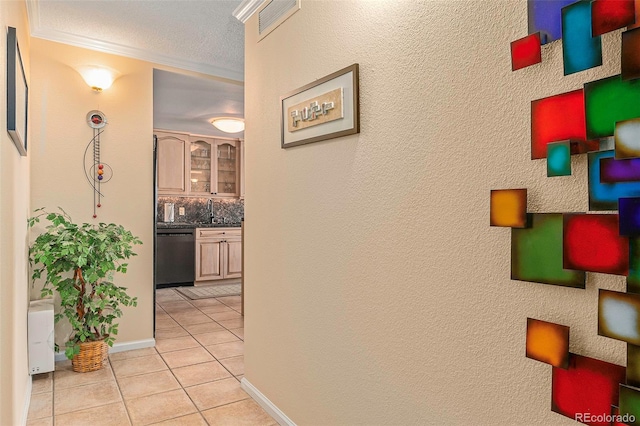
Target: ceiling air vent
[{"x": 274, "y": 13}]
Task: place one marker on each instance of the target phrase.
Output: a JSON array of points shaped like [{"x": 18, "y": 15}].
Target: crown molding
[
  {"x": 247, "y": 8},
  {"x": 33, "y": 14},
  {"x": 117, "y": 49}
]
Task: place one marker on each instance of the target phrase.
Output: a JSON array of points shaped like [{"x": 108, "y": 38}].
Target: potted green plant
[{"x": 78, "y": 262}]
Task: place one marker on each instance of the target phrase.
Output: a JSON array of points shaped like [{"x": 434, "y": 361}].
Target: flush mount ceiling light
[
  {"x": 228, "y": 124},
  {"x": 97, "y": 77}
]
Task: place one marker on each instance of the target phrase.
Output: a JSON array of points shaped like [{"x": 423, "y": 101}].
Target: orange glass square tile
[
  {"x": 509, "y": 208},
  {"x": 548, "y": 342}
]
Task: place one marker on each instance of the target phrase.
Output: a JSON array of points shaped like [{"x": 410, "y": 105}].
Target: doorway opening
[{"x": 198, "y": 200}]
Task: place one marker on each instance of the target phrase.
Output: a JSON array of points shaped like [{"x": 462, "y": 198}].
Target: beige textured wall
[
  {"x": 376, "y": 292},
  {"x": 14, "y": 211},
  {"x": 61, "y": 101}
]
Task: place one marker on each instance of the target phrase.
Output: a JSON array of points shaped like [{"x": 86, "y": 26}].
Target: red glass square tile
[
  {"x": 557, "y": 118},
  {"x": 609, "y": 15},
  {"x": 525, "y": 52},
  {"x": 591, "y": 242},
  {"x": 587, "y": 389}
]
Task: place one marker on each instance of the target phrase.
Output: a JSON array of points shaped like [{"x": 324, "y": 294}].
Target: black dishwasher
[{"x": 175, "y": 257}]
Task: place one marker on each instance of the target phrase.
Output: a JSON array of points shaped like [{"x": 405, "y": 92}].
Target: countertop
[{"x": 181, "y": 225}]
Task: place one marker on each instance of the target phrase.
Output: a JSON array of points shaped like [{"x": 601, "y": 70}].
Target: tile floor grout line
[
  {"x": 158, "y": 393},
  {"x": 76, "y": 386},
  {"x": 126, "y": 408},
  {"x": 225, "y": 404},
  {"x": 184, "y": 389},
  {"x": 160, "y": 309},
  {"x": 203, "y": 347},
  {"x": 221, "y": 325}
]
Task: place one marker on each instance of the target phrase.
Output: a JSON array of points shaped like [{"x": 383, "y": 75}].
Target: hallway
[{"x": 191, "y": 377}]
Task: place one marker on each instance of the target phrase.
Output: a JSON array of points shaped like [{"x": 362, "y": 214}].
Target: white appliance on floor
[{"x": 40, "y": 336}]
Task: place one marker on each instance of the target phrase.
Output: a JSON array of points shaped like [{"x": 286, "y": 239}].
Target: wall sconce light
[
  {"x": 97, "y": 77},
  {"x": 228, "y": 124}
]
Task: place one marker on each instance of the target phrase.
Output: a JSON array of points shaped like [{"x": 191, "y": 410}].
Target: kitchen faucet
[{"x": 210, "y": 209}]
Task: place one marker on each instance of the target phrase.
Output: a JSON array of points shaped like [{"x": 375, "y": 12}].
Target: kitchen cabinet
[
  {"x": 218, "y": 254},
  {"x": 214, "y": 166},
  {"x": 170, "y": 149},
  {"x": 198, "y": 165},
  {"x": 241, "y": 142}
]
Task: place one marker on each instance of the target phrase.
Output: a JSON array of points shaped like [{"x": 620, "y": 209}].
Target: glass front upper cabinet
[
  {"x": 227, "y": 168},
  {"x": 214, "y": 167},
  {"x": 200, "y": 178}
]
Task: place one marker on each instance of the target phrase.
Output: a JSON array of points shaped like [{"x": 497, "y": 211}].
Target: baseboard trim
[
  {"x": 119, "y": 347},
  {"x": 265, "y": 403},
  {"x": 27, "y": 401}
]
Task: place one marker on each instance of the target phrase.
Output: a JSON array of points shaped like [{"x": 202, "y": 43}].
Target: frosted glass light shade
[
  {"x": 98, "y": 78},
  {"x": 228, "y": 125}
]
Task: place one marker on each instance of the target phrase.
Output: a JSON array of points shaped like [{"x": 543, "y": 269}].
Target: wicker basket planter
[{"x": 93, "y": 356}]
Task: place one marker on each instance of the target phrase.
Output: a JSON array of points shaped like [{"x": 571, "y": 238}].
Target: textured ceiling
[
  {"x": 186, "y": 103},
  {"x": 194, "y": 35},
  {"x": 198, "y": 35}
]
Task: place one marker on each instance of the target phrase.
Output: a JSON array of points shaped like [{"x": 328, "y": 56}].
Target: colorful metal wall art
[{"x": 602, "y": 120}]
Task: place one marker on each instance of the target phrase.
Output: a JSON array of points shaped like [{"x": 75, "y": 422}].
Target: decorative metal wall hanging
[
  {"x": 96, "y": 171},
  {"x": 600, "y": 119}
]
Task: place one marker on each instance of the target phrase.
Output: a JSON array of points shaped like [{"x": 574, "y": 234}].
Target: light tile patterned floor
[{"x": 191, "y": 377}]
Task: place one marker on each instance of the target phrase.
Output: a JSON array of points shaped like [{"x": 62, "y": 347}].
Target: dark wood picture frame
[
  {"x": 352, "y": 113},
  {"x": 17, "y": 94}
]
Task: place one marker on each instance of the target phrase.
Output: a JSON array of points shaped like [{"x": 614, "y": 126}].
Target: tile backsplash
[{"x": 229, "y": 211}]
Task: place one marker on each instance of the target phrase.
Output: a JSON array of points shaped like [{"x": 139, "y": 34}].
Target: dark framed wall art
[
  {"x": 325, "y": 109},
  {"x": 17, "y": 94}
]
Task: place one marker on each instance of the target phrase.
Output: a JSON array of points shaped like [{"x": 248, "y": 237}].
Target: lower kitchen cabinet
[
  {"x": 233, "y": 260},
  {"x": 218, "y": 254}
]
